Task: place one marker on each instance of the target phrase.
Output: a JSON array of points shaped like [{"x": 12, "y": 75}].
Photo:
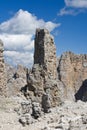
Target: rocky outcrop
[
  {"x": 3, "y": 88},
  {"x": 42, "y": 79},
  {"x": 45, "y": 53},
  {"x": 11, "y": 79},
  {"x": 72, "y": 72},
  {"x": 48, "y": 81},
  {"x": 47, "y": 85},
  {"x": 16, "y": 79}
]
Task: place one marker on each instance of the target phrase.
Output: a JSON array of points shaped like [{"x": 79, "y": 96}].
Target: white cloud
[
  {"x": 25, "y": 23},
  {"x": 16, "y": 42},
  {"x": 14, "y": 57},
  {"x": 29, "y": 46},
  {"x": 70, "y": 11},
  {"x": 73, "y": 7},
  {"x": 76, "y": 3},
  {"x": 17, "y": 34}
]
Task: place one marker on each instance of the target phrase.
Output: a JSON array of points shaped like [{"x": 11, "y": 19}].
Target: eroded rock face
[
  {"x": 3, "y": 88},
  {"x": 45, "y": 52},
  {"x": 72, "y": 72},
  {"x": 43, "y": 77},
  {"x": 16, "y": 79},
  {"x": 69, "y": 83},
  {"x": 45, "y": 88}
]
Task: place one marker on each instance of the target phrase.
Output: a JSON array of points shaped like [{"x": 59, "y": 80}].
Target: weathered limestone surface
[
  {"x": 3, "y": 88},
  {"x": 72, "y": 72},
  {"x": 69, "y": 82},
  {"x": 43, "y": 76},
  {"x": 44, "y": 89},
  {"x": 16, "y": 79},
  {"x": 45, "y": 52}
]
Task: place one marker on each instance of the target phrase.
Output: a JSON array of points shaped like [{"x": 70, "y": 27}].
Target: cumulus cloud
[
  {"x": 17, "y": 34},
  {"x": 16, "y": 57},
  {"x": 73, "y": 7},
  {"x": 25, "y": 23},
  {"x": 16, "y": 42}
]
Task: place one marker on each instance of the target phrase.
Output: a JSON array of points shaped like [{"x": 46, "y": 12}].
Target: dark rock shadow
[
  {"x": 24, "y": 89},
  {"x": 82, "y": 92}
]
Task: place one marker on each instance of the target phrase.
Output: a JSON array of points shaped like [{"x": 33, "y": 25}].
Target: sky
[{"x": 65, "y": 19}]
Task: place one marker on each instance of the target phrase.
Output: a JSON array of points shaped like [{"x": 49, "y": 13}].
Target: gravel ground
[{"x": 69, "y": 116}]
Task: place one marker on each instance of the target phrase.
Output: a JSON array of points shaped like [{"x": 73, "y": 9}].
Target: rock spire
[{"x": 42, "y": 80}]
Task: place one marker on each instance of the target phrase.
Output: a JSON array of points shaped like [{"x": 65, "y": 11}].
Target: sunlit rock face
[
  {"x": 42, "y": 79},
  {"x": 3, "y": 88},
  {"x": 72, "y": 72},
  {"x": 66, "y": 79},
  {"x": 45, "y": 52},
  {"x": 16, "y": 79}
]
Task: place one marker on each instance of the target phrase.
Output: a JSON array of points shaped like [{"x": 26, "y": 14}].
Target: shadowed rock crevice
[{"x": 82, "y": 92}]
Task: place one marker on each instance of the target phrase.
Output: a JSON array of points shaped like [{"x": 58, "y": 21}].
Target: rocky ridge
[{"x": 46, "y": 88}]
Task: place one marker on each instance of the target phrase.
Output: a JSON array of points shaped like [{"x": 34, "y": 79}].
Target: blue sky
[{"x": 65, "y": 19}]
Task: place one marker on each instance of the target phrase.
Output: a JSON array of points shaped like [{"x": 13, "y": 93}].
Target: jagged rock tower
[
  {"x": 42, "y": 80},
  {"x": 45, "y": 52},
  {"x": 2, "y": 72}
]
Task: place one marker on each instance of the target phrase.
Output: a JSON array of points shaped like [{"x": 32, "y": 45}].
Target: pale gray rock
[
  {"x": 45, "y": 90},
  {"x": 43, "y": 76},
  {"x": 36, "y": 110},
  {"x": 3, "y": 77},
  {"x": 16, "y": 79},
  {"x": 26, "y": 119},
  {"x": 72, "y": 73},
  {"x": 26, "y": 107}
]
